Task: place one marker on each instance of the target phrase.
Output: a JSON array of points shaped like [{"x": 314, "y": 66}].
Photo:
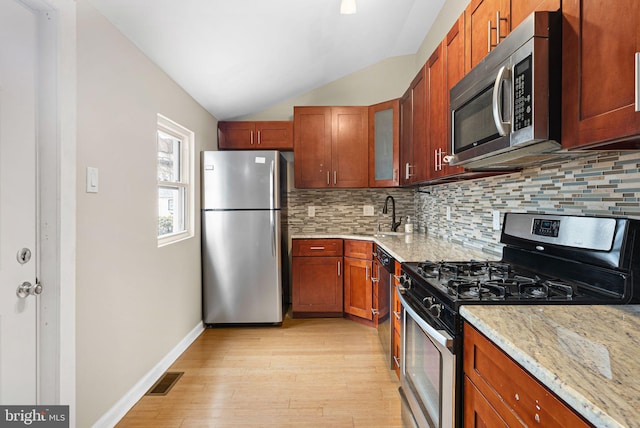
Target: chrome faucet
[{"x": 394, "y": 225}]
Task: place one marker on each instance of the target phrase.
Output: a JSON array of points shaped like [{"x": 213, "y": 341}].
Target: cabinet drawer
[
  {"x": 512, "y": 390},
  {"x": 316, "y": 247},
  {"x": 358, "y": 249}
]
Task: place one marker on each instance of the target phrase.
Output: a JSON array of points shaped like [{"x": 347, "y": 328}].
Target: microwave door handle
[{"x": 504, "y": 74}]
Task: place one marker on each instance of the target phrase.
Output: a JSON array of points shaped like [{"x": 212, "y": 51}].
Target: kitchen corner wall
[{"x": 600, "y": 184}]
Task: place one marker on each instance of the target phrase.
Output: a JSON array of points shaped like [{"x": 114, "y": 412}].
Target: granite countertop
[
  {"x": 586, "y": 355},
  {"x": 413, "y": 247}
]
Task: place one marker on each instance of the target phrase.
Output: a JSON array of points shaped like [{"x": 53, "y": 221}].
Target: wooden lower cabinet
[
  {"x": 498, "y": 392},
  {"x": 358, "y": 291},
  {"x": 396, "y": 321},
  {"x": 317, "y": 271},
  {"x": 358, "y": 285},
  {"x": 478, "y": 413}
]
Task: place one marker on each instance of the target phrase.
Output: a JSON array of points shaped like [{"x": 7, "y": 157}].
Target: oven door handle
[{"x": 440, "y": 336}]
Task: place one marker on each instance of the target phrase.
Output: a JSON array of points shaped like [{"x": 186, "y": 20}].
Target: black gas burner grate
[{"x": 489, "y": 280}]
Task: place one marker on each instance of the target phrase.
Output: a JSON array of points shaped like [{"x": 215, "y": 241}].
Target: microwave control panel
[{"x": 522, "y": 94}]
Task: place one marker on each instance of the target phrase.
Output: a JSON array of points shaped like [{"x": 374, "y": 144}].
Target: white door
[{"x": 18, "y": 64}]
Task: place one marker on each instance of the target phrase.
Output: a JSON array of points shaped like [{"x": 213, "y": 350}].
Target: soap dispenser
[{"x": 408, "y": 226}]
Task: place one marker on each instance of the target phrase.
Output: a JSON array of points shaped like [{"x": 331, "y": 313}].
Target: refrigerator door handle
[
  {"x": 272, "y": 185},
  {"x": 273, "y": 233}
]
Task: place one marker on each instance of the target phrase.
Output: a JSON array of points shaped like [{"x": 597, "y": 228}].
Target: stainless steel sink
[{"x": 388, "y": 234}]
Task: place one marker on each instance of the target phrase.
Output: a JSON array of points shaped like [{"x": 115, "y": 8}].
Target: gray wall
[{"x": 135, "y": 301}]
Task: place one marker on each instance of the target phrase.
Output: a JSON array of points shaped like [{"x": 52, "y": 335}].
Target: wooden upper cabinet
[
  {"x": 454, "y": 70},
  {"x": 331, "y": 147},
  {"x": 312, "y": 147},
  {"x": 600, "y": 48},
  {"x": 384, "y": 144},
  {"x": 487, "y": 22},
  {"x": 414, "y": 166},
  {"x": 350, "y": 146},
  {"x": 267, "y": 135},
  {"x": 437, "y": 107},
  {"x": 520, "y": 9}
]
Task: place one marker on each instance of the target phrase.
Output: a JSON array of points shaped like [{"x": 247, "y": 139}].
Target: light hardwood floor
[{"x": 323, "y": 372}]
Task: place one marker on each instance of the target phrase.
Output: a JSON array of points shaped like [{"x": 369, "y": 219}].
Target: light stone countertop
[
  {"x": 589, "y": 356},
  {"x": 414, "y": 247}
]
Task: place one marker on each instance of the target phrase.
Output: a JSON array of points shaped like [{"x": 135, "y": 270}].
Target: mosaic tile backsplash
[
  {"x": 606, "y": 183},
  {"x": 602, "y": 184},
  {"x": 342, "y": 211}
]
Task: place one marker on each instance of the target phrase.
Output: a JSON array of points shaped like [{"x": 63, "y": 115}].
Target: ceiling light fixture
[{"x": 348, "y": 7}]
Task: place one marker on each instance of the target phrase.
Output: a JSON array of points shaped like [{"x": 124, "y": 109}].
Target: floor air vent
[{"x": 165, "y": 383}]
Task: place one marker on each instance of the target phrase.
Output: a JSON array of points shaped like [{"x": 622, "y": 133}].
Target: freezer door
[
  {"x": 241, "y": 180},
  {"x": 242, "y": 271}
]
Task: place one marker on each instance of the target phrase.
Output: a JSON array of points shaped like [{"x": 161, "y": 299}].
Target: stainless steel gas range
[{"x": 547, "y": 259}]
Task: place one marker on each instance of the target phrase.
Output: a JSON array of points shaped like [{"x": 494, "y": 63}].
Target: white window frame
[{"x": 187, "y": 162}]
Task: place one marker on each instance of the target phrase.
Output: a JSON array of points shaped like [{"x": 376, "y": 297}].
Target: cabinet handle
[
  {"x": 338, "y": 268},
  {"x": 335, "y": 177},
  {"x": 366, "y": 273},
  {"x": 407, "y": 167},
  {"x": 395, "y": 171},
  {"x": 497, "y": 28},
  {"x": 498, "y": 19},
  {"x": 396, "y": 361},
  {"x": 638, "y": 81},
  {"x": 328, "y": 182},
  {"x": 316, "y": 248},
  {"x": 252, "y": 138},
  {"x": 398, "y": 315},
  {"x": 258, "y": 137},
  {"x": 374, "y": 311}
]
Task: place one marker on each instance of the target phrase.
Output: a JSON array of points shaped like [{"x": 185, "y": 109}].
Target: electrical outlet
[
  {"x": 367, "y": 210},
  {"x": 448, "y": 213},
  {"x": 312, "y": 211},
  {"x": 496, "y": 219}
]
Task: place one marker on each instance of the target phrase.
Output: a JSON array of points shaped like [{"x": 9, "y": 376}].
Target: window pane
[
  {"x": 168, "y": 157},
  {"x": 171, "y": 215}
]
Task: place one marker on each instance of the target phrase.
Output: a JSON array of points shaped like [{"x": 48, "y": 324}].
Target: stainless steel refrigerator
[{"x": 241, "y": 237}]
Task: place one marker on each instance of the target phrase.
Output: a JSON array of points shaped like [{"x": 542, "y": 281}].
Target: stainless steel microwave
[{"x": 505, "y": 113}]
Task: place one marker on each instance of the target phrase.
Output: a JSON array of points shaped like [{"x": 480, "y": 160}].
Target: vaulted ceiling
[{"x": 240, "y": 57}]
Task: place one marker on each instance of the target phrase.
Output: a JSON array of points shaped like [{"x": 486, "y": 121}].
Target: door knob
[{"x": 26, "y": 289}]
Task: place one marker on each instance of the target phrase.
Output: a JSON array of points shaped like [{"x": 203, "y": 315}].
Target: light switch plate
[
  {"x": 92, "y": 180},
  {"x": 448, "y": 213},
  {"x": 367, "y": 210},
  {"x": 312, "y": 211}
]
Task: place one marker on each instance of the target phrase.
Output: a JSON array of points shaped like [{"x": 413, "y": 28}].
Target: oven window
[
  {"x": 423, "y": 365},
  {"x": 473, "y": 122}
]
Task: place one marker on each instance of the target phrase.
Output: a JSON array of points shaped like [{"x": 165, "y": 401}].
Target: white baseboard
[{"x": 117, "y": 412}]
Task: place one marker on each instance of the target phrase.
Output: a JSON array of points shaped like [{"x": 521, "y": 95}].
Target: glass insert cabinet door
[{"x": 384, "y": 144}]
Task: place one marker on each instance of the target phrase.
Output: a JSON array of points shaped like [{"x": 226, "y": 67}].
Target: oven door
[{"x": 428, "y": 368}]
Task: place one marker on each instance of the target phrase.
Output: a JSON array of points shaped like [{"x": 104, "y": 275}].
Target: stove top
[
  {"x": 547, "y": 259},
  {"x": 494, "y": 282}
]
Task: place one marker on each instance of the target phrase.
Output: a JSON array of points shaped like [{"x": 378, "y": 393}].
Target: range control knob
[
  {"x": 435, "y": 310},
  {"x": 405, "y": 283}
]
